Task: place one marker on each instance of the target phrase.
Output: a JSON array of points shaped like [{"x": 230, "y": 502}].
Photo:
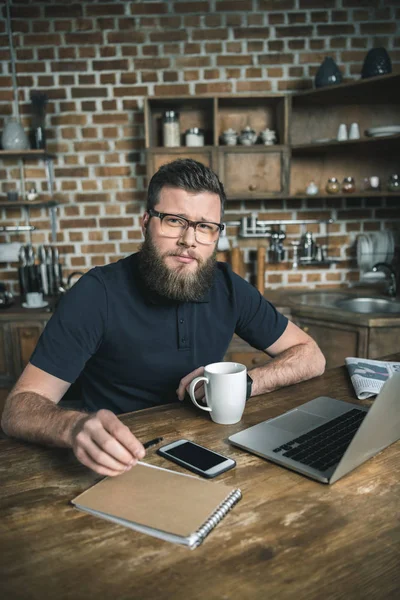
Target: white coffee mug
[
  {"x": 34, "y": 299},
  {"x": 225, "y": 385}
]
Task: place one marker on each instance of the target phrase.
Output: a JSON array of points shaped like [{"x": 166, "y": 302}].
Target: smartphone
[{"x": 196, "y": 458}]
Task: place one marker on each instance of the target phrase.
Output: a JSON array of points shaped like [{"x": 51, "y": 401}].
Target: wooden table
[{"x": 288, "y": 538}]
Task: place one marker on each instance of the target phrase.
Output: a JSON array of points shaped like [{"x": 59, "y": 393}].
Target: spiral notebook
[{"x": 175, "y": 507}]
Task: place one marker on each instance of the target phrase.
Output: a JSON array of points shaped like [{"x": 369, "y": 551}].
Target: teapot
[{"x": 247, "y": 136}]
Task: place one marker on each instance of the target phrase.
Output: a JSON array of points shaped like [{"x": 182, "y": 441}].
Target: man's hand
[
  {"x": 187, "y": 380},
  {"x": 101, "y": 442}
]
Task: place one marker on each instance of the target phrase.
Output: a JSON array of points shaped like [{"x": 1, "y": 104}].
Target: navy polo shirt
[{"x": 131, "y": 347}]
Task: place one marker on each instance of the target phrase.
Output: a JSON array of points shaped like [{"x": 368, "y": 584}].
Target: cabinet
[
  {"x": 338, "y": 340},
  {"x": 48, "y": 202},
  {"x": 306, "y": 126},
  {"x": 18, "y": 338}
]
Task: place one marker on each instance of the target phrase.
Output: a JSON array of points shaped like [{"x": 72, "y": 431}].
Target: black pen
[{"x": 151, "y": 443}]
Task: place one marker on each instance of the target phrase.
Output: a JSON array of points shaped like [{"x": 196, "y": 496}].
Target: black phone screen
[{"x": 199, "y": 457}]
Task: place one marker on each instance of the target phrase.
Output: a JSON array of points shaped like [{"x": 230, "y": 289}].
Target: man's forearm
[
  {"x": 33, "y": 418},
  {"x": 295, "y": 364}
]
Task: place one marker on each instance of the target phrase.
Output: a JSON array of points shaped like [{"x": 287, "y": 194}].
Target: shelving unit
[
  {"x": 285, "y": 169},
  {"x": 47, "y": 157}
]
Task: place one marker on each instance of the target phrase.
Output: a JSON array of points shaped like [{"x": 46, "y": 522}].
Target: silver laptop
[{"x": 327, "y": 438}]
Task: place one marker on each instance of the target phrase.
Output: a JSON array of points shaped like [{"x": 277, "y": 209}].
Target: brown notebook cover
[{"x": 172, "y": 506}]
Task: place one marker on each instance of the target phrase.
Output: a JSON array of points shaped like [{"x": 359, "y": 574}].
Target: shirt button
[{"x": 180, "y": 320}]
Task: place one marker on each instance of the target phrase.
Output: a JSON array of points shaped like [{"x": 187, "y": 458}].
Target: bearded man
[{"x": 137, "y": 332}]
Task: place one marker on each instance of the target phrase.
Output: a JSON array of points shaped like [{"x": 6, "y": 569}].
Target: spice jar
[
  {"x": 394, "y": 183},
  {"x": 194, "y": 137},
  {"x": 171, "y": 134},
  {"x": 348, "y": 185},
  {"x": 332, "y": 186}
]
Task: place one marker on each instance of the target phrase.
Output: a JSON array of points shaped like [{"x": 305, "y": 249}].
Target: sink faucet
[{"x": 390, "y": 274}]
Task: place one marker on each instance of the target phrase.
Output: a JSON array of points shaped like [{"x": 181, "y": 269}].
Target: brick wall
[{"x": 97, "y": 60}]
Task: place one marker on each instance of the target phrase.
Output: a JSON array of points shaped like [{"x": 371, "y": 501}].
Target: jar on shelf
[
  {"x": 394, "y": 183},
  {"x": 332, "y": 186},
  {"x": 348, "y": 185},
  {"x": 194, "y": 137},
  {"x": 171, "y": 133}
]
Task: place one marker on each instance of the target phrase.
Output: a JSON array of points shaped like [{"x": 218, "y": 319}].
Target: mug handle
[{"x": 191, "y": 392}]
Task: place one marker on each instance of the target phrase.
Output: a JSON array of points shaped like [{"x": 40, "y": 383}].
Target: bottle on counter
[
  {"x": 332, "y": 186},
  {"x": 194, "y": 137},
  {"x": 394, "y": 183},
  {"x": 171, "y": 132},
  {"x": 348, "y": 185}
]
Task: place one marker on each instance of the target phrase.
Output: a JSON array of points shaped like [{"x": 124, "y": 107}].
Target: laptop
[{"x": 327, "y": 438}]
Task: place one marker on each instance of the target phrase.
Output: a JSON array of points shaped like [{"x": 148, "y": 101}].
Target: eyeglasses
[{"x": 174, "y": 226}]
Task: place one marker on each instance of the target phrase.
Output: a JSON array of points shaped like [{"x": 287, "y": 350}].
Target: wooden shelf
[
  {"x": 19, "y": 204},
  {"x": 38, "y": 154},
  {"x": 392, "y": 140},
  {"x": 361, "y": 91}
]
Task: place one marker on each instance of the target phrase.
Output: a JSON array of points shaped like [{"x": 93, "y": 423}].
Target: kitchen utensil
[
  {"x": 194, "y": 137},
  {"x": 307, "y": 246},
  {"x": 276, "y": 252},
  {"x": 247, "y": 136},
  {"x": 43, "y": 270},
  {"x": 14, "y": 136},
  {"x": 229, "y": 137},
  {"x": 49, "y": 271}
]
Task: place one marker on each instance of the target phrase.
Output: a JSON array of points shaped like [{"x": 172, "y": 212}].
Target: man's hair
[{"x": 186, "y": 174}]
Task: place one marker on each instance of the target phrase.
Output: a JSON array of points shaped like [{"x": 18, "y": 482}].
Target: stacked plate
[
  {"x": 373, "y": 248},
  {"x": 382, "y": 131}
]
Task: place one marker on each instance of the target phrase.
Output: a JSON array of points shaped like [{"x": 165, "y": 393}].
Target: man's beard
[{"x": 175, "y": 284}]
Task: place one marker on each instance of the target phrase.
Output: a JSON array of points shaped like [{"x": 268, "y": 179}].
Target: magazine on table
[{"x": 368, "y": 376}]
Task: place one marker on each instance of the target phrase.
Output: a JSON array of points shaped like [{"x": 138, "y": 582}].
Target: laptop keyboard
[{"x": 325, "y": 445}]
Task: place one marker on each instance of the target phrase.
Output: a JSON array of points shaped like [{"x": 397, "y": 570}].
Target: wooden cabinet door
[
  {"x": 25, "y": 336},
  {"x": 157, "y": 158},
  {"x": 336, "y": 340},
  {"x": 251, "y": 174},
  {"x": 383, "y": 341}
]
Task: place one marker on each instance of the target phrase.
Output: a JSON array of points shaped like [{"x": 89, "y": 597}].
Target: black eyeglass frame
[{"x": 160, "y": 215}]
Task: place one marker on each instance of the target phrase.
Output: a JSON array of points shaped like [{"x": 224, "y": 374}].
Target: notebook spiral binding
[{"x": 217, "y": 515}]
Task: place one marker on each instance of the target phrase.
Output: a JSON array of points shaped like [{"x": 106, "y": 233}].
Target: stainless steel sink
[{"x": 369, "y": 305}]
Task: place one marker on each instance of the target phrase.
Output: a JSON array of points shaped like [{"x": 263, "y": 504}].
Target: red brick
[
  {"x": 108, "y": 78},
  {"x": 45, "y": 53},
  {"x": 71, "y": 172},
  {"x": 253, "y": 86},
  {"x": 378, "y": 28},
  {"x": 106, "y": 10},
  {"x": 172, "y": 76},
  {"x": 151, "y": 77},
  {"x": 152, "y": 63},
  {"x": 96, "y": 146},
  {"x": 89, "y": 92},
  {"x": 121, "y": 64},
  {"x": 147, "y": 8},
  {"x": 213, "y": 21},
  {"x": 317, "y": 44},
  {"x": 42, "y": 40},
  {"x": 275, "y": 72},
  {"x": 276, "y": 4},
  {"x": 192, "y": 7},
  {"x": 252, "y": 32},
  {"x": 171, "y": 90},
  {"x": 67, "y": 53},
  {"x": 96, "y": 197},
  {"x": 212, "y": 74},
  {"x": 89, "y": 106},
  {"x": 171, "y": 36},
  {"x": 86, "y": 80},
  {"x": 297, "y": 17},
  {"x": 192, "y": 61},
  {"x": 70, "y": 65},
  {"x": 276, "y": 18},
  {"x": 210, "y": 34},
  {"x": 81, "y": 39},
  {"x": 317, "y": 4},
  {"x": 212, "y": 48},
  {"x": 131, "y": 90},
  {"x": 150, "y": 50},
  {"x": 192, "y": 21},
  {"x": 108, "y": 52},
  {"x": 87, "y": 52},
  {"x": 339, "y": 29},
  {"x": 277, "y": 45},
  {"x": 31, "y": 67},
  {"x": 77, "y": 223},
  {"x": 170, "y": 22},
  {"x": 293, "y": 31},
  {"x": 117, "y": 222},
  {"x": 319, "y": 16},
  {"x": 224, "y": 61},
  {"x": 126, "y": 37},
  {"x": 214, "y": 88},
  {"x": 275, "y": 59},
  {"x": 116, "y": 171}
]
